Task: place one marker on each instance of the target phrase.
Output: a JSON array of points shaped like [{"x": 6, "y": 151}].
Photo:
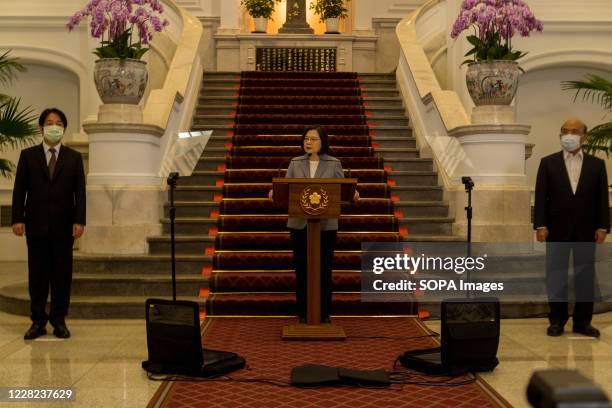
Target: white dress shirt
[
  {"x": 313, "y": 167},
  {"x": 573, "y": 165},
  {"x": 48, "y": 153}
]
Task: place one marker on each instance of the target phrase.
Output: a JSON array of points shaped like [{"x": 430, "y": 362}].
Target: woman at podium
[{"x": 314, "y": 163}]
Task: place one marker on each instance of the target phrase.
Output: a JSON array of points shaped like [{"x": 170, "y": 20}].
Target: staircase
[{"x": 116, "y": 286}]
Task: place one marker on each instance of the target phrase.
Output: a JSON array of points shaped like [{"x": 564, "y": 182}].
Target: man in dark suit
[
  {"x": 49, "y": 208},
  {"x": 571, "y": 214}
]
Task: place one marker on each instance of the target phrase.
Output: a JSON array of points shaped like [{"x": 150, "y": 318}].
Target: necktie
[{"x": 52, "y": 162}]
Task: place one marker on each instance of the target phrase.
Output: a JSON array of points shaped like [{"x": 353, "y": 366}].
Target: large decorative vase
[
  {"x": 261, "y": 24},
  {"x": 492, "y": 83},
  {"x": 121, "y": 81},
  {"x": 332, "y": 26}
]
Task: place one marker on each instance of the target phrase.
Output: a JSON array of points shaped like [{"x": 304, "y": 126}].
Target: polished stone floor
[{"x": 101, "y": 361}]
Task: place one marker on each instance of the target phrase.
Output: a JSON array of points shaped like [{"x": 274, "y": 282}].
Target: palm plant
[
  {"x": 598, "y": 90},
  {"x": 17, "y": 126}
]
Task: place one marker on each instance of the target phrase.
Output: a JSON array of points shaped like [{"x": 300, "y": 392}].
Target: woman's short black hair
[
  {"x": 47, "y": 112},
  {"x": 322, "y": 134}
]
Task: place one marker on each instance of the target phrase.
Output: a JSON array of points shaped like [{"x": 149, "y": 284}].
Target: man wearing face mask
[
  {"x": 49, "y": 208},
  {"x": 571, "y": 214}
]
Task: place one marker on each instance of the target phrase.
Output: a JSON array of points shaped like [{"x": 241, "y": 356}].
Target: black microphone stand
[
  {"x": 172, "y": 179},
  {"x": 469, "y": 186}
]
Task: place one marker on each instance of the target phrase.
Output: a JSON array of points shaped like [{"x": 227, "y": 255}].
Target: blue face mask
[
  {"x": 53, "y": 133},
  {"x": 570, "y": 142}
]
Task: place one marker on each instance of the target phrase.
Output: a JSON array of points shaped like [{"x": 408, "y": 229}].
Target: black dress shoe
[
  {"x": 587, "y": 330},
  {"x": 36, "y": 330},
  {"x": 554, "y": 330},
  {"x": 61, "y": 331}
]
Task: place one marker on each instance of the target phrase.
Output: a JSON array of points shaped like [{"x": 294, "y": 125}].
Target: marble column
[
  {"x": 364, "y": 10},
  {"x": 296, "y": 19},
  {"x": 124, "y": 189},
  {"x": 230, "y": 17}
]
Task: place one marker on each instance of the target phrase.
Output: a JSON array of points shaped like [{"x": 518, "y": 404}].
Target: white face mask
[
  {"x": 53, "y": 133},
  {"x": 570, "y": 142}
]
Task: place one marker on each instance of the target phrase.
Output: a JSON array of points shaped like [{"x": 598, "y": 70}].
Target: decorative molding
[
  {"x": 581, "y": 57},
  {"x": 471, "y": 130},
  {"x": 57, "y": 62},
  {"x": 93, "y": 129},
  {"x": 385, "y": 22},
  {"x": 40, "y": 21}
]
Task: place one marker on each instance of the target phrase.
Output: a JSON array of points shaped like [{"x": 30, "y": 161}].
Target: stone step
[
  {"x": 208, "y": 101},
  {"x": 216, "y": 90},
  {"x": 382, "y": 141},
  {"x": 433, "y": 238},
  {"x": 191, "y": 209},
  {"x": 405, "y": 193},
  {"x": 375, "y": 92},
  {"x": 201, "y": 119},
  {"x": 220, "y": 75},
  {"x": 202, "y": 178},
  {"x": 184, "y": 244},
  {"x": 409, "y": 163},
  {"x": 15, "y": 299},
  {"x": 397, "y": 131},
  {"x": 398, "y": 152},
  {"x": 379, "y": 83},
  {"x": 376, "y": 77},
  {"x": 208, "y": 163},
  {"x": 414, "y": 178},
  {"x": 395, "y": 141},
  {"x": 372, "y": 101},
  {"x": 220, "y": 82},
  {"x": 228, "y": 108},
  {"x": 194, "y": 193},
  {"x": 416, "y": 193},
  {"x": 218, "y": 130},
  {"x": 140, "y": 264},
  {"x": 136, "y": 284},
  {"x": 189, "y": 226},
  {"x": 427, "y": 225},
  {"x": 422, "y": 209}
]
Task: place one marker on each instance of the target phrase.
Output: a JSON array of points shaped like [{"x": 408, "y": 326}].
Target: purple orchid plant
[
  {"x": 495, "y": 22},
  {"x": 114, "y": 22}
]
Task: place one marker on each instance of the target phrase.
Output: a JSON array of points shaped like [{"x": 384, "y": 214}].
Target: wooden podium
[{"x": 313, "y": 199}]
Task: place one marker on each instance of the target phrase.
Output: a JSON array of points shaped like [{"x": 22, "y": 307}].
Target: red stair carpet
[{"x": 252, "y": 263}]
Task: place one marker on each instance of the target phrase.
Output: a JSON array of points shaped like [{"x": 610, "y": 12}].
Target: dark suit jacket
[
  {"x": 567, "y": 216},
  {"x": 49, "y": 207}
]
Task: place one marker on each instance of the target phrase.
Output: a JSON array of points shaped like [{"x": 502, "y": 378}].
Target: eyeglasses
[{"x": 310, "y": 139}]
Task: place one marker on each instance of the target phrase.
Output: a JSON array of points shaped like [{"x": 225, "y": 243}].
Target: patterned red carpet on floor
[
  {"x": 252, "y": 271},
  {"x": 269, "y": 357}
]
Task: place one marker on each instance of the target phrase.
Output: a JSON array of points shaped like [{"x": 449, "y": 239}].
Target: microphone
[
  {"x": 172, "y": 178},
  {"x": 347, "y": 167}
]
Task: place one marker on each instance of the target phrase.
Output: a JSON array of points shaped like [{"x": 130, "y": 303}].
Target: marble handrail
[
  {"x": 447, "y": 103},
  {"x": 171, "y": 107},
  {"x": 159, "y": 104}
]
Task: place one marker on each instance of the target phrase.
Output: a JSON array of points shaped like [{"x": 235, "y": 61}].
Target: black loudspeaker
[
  {"x": 564, "y": 388},
  {"x": 173, "y": 336},
  {"x": 174, "y": 342},
  {"x": 469, "y": 339}
]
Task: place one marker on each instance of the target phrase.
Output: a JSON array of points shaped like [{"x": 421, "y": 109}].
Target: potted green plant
[
  {"x": 330, "y": 12},
  {"x": 596, "y": 89},
  {"x": 17, "y": 125},
  {"x": 120, "y": 74},
  {"x": 493, "y": 71},
  {"x": 261, "y": 11}
]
